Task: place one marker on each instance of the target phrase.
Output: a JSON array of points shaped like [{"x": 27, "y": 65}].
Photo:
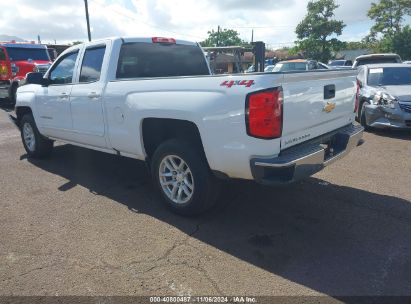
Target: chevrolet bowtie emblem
[{"x": 329, "y": 107}]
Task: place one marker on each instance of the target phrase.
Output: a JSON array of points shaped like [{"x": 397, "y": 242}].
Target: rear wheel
[
  {"x": 35, "y": 144},
  {"x": 183, "y": 177}
]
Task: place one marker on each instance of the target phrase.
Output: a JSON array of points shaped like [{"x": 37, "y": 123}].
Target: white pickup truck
[{"x": 153, "y": 99}]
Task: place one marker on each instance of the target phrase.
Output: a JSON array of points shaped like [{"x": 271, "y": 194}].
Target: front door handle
[
  {"x": 63, "y": 95},
  {"x": 93, "y": 95}
]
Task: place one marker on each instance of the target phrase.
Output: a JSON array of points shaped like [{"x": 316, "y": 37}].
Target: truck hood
[{"x": 401, "y": 92}]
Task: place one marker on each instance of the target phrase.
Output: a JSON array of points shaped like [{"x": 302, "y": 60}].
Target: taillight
[
  {"x": 357, "y": 97},
  {"x": 163, "y": 40},
  {"x": 264, "y": 113}
]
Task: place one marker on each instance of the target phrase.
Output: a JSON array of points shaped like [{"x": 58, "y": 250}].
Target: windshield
[
  {"x": 290, "y": 66},
  {"x": 337, "y": 63},
  {"x": 377, "y": 60},
  {"x": 23, "y": 54},
  {"x": 389, "y": 76},
  {"x": 269, "y": 68}
]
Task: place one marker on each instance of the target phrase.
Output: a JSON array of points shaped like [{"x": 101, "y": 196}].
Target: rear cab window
[{"x": 146, "y": 60}]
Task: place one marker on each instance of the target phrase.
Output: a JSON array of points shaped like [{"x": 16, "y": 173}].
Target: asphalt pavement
[{"x": 89, "y": 223}]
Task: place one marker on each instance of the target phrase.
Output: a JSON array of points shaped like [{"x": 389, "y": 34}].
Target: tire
[
  {"x": 35, "y": 144},
  {"x": 13, "y": 94},
  {"x": 363, "y": 120},
  {"x": 190, "y": 189}
]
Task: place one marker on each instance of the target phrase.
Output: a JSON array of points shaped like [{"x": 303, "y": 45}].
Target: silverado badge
[{"x": 329, "y": 107}]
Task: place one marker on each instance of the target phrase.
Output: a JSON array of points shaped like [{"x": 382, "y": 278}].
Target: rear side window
[
  {"x": 92, "y": 63},
  {"x": 160, "y": 60},
  {"x": 2, "y": 54}
]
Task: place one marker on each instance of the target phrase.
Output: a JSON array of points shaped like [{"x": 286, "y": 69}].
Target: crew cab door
[
  {"x": 53, "y": 101},
  {"x": 86, "y": 97}
]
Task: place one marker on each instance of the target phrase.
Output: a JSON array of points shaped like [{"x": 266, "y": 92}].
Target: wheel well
[
  {"x": 157, "y": 130},
  {"x": 14, "y": 86},
  {"x": 21, "y": 111}
]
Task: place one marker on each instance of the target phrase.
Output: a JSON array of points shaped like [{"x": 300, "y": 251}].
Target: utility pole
[
  {"x": 218, "y": 36},
  {"x": 252, "y": 36},
  {"x": 88, "y": 21}
]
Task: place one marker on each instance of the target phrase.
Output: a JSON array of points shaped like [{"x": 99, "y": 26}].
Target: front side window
[
  {"x": 92, "y": 63},
  {"x": 62, "y": 72}
]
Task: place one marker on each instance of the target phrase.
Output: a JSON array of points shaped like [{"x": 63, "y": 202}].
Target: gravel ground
[{"x": 88, "y": 223}]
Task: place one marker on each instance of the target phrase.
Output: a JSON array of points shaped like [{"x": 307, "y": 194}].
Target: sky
[{"x": 273, "y": 21}]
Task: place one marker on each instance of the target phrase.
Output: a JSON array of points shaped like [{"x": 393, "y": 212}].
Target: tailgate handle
[{"x": 329, "y": 91}]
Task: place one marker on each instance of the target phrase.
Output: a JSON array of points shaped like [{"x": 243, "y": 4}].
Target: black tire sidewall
[
  {"x": 204, "y": 186},
  {"x": 42, "y": 146}
]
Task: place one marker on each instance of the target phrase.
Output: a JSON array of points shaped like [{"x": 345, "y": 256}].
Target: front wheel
[
  {"x": 35, "y": 144},
  {"x": 183, "y": 177}
]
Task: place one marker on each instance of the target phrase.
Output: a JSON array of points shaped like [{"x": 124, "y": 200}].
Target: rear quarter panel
[{"x": 218, "y": 112}]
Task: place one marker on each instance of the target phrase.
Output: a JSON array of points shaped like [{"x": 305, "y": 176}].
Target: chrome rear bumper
[{"x": 308, "y": 158}]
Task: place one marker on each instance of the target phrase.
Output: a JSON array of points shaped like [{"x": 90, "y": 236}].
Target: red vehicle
[{"x": 16, "y": 60}]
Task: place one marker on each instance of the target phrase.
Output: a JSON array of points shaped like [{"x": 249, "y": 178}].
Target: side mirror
[{"x": 36, "y": 78}]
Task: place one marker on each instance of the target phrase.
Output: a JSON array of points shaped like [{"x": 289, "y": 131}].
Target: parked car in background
[
  {"x": 376, "y": 59},
  {"x": 384, "y": 96},
  {"x": 407, "y": 62},
  {"x": 18, "y": 59},
  {"x": 323, "y": 66},
  {"x": 153, "y": 99},
  {"x": 340, "y": 64},
  {"x": 295, "y": 65},
  {"x": 269, "y": 68},
  {"x": 251, "y": 69}
]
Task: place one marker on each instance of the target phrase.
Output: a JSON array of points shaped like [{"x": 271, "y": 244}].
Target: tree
[
  {"x": 316, "y": 28},
  {"x": 225, "y": 37},
  {"x": 388, "y": 16},
  {"x": 402, "y": 43}
]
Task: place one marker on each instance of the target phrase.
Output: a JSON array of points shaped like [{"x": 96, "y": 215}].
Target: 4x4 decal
[{"x": 230, "y": 83}]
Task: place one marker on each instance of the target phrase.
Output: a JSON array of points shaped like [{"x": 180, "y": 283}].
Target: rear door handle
[{"x": 93, "y": 95}]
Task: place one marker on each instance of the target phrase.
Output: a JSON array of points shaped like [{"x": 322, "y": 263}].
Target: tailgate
[{"x": 316, "y": 103}]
